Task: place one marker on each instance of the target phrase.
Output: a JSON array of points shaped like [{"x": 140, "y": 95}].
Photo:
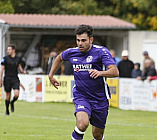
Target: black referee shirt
[{"x": 11, "y": 65}]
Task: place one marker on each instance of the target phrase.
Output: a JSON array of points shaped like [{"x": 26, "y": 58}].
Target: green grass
[{"x": 55, "y": 121}]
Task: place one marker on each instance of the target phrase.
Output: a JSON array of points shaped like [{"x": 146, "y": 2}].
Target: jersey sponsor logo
[
  {"x": 80, "y": 107},
  {"x": 89, "y": 58},
  {"x": 82, "y": 67}
]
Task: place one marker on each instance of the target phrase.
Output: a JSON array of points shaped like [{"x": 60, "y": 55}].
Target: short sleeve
[
  {"x": 20, "y": 61},
  {"x": 3, "y": 61},
  {"x": 106, "y": 57},
  {"x": 65, "y": 55}
]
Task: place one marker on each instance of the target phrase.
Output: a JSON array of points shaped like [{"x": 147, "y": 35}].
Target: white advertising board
[
  {"x": 34, "y": 88},
  {"x": 137, "y": 95}
]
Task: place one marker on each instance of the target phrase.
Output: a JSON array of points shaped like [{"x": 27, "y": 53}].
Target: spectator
[
  {"x": 125, "y": 66},
  {"x": 115, "y": 58},
  {"x": 146, "y": 56},
  {"x": 67, "y": 68},
  {"x": 150, "y": 78},
  {"x": 149, "y": 70},
  {"x": 52, "y": 57},
  {"x": 136, "y": 71}
]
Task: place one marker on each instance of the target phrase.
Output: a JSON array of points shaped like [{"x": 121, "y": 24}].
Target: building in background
[{"x": 35, "y": 35}]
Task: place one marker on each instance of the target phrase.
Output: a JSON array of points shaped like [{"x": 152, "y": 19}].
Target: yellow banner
[
  {"x": 114, "y": 89},
  {"x": 0, "y": 95},
  {"x": 63, "y": 93}
]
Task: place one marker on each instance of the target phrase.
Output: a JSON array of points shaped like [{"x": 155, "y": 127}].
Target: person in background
[
  {"x": 67, "y": 68},
  {"x": 125, "y": 66},
  {"x": 92, "y": 64},
  {"x": 115, "y": 58},
  {"x": 146, "y": 56},
  {"x": 150, "y": 78},
  {"x": 136, "y": 71},
  {"x": 149, "y": 70},
  {"x": 11, "y": 64},
  {"x": 51, "y": 58}
]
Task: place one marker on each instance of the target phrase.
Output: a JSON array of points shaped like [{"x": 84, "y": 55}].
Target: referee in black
[{"x": 11, "y": 64}]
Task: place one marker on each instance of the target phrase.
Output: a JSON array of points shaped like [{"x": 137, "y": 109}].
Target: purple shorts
[{"x": 97, "y": 110}]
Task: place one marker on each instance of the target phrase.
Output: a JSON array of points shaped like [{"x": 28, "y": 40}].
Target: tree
[
  {"x": 76, "y": 7},
  {"x": 143, "y": 13},
  {"x": 6, "y": 7},
  {"x": 33, "y": 6}
]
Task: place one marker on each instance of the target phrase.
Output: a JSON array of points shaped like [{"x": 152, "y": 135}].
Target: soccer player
[
  {"x": 91, "y": 65},
  {"x": 10, "y": 64}
]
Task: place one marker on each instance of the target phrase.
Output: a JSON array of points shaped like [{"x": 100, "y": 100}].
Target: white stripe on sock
[
  {"x": 72, "y": 138},
  {"x": 78, "y": 131}
]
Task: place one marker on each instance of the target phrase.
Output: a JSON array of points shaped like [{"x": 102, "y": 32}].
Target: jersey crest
[{"x": 89, "y": 59}]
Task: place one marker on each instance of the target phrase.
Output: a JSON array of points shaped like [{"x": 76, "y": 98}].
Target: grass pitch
[{"x": 55, "y": 121}]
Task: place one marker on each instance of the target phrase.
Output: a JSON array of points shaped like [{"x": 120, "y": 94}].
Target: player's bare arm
[
  {"x": 1, "y": 74},
  {"x": 56, "y": 65},
  {"x": 110, "y": 73}
]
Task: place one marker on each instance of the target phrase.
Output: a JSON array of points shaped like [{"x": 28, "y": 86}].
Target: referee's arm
[
  {"x": 21, "y": 69},
  {"x": 1, "y": 74}
]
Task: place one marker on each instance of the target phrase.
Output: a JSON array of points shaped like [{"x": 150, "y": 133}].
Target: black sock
[
  {"x": 7, "y": 102},
  {"x": 14, "y": 99}
]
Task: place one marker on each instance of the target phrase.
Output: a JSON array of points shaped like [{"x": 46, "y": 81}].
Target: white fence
[{"x": 127, "y": 94}]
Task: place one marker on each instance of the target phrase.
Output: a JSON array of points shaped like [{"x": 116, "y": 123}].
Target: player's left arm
[{"x": 111, "y": 72}]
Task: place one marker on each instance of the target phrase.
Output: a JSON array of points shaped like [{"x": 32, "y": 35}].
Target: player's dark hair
[
  {"x": 12, "y": 46},
  {"x": 84, "y": 29}
]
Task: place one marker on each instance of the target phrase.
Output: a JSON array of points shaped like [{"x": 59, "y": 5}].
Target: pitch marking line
[
  {"x": 24, "y": 135},
  {"x": 73, "y": 120}
]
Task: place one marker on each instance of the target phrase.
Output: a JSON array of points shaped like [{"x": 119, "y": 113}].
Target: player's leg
[
  {"x": 98, "y": 119},
  {"x": 82, "y": 113},
  {"x": 7, "y": 88},
  {"x": 98, "y": 133},
  {"x": 7, "y": 102},
  {"x": 16, "y": 95},
  {"x": 82, "y": 122},
  {"x": 15, "y": 86}
]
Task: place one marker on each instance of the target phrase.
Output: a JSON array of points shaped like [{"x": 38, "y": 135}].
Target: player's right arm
[
  {"x": 55, "y": 66},
  {"x": 1, "y": 74}
]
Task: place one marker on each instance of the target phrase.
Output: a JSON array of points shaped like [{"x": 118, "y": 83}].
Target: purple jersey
[{"x": 98, "y": 57}]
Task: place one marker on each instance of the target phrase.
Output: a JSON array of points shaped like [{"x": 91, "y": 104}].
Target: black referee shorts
[{"x": 11, "y": 83}]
